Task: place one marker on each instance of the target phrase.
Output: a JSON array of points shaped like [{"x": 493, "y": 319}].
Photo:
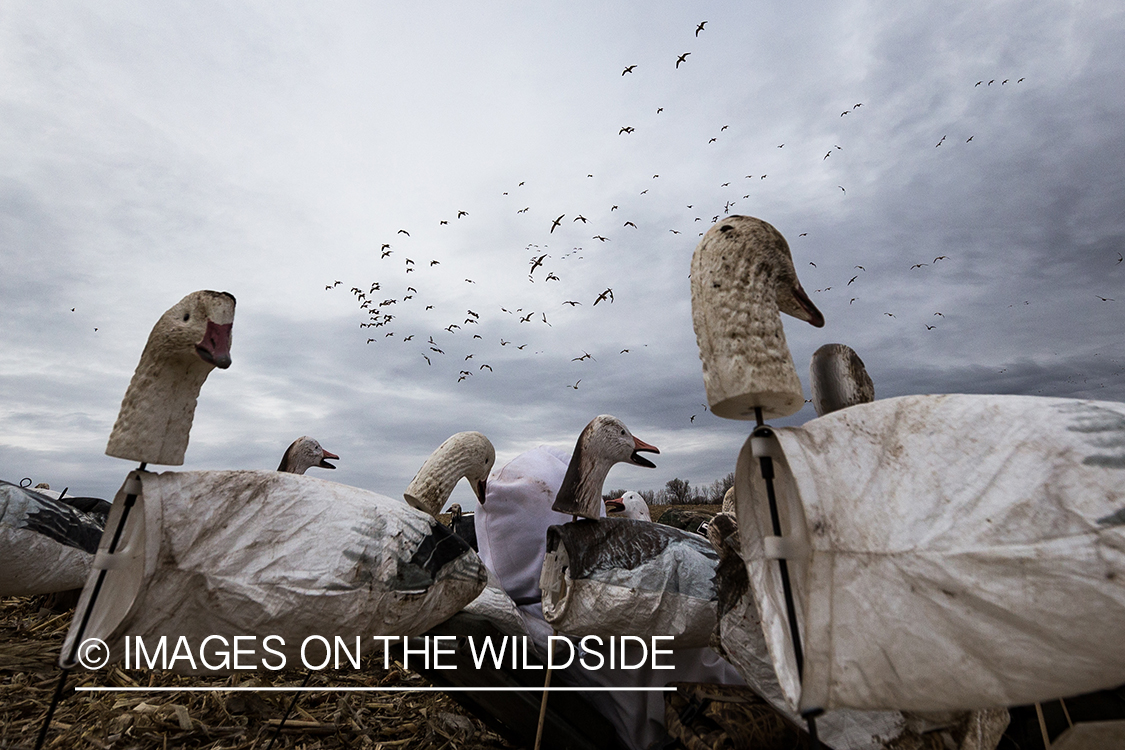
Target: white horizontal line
[{"x": 374, "y": 689}]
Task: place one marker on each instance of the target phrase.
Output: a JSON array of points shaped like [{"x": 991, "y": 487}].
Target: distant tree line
[{"x": 680, "y": 492}]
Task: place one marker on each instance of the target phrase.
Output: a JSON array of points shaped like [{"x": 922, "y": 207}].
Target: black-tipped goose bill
[
  {"x": 814, "y": 315},
  {"x": 480, "y": 487},
  {"x": 324, "y": 461},
  {"x": 643, "y": 446},
  {"x": 614, "y": 506},
  {"x": 215, "y": 346}
]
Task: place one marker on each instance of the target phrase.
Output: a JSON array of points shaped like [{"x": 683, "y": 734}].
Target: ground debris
[{"x": 31, "y": 638}]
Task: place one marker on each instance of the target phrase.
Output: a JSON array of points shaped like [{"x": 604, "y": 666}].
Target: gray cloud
[{"x": 147, "y": 154}]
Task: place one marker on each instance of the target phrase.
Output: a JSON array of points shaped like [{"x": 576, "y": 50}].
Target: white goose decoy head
[
  {"x": 839, "y": 379},
  {"x": 604, "y": 442},
  {"x": 189, "y": 340},
  {"x": 304, "y": 453},
  {"x": 466, "y": 454},
  {"x": 742, "y": 275},
  {"x": 630, "y": 505}
]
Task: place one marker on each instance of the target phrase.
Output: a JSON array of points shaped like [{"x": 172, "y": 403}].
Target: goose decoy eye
[
  {"x": 186, "y": 317},
  {"x": 725, "y": 228}
]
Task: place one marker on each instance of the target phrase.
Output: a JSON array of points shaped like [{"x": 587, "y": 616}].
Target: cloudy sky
[{"x": 272, "y": 149}]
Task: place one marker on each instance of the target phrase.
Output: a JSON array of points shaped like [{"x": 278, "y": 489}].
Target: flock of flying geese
[{"x": 474, "y": 340}]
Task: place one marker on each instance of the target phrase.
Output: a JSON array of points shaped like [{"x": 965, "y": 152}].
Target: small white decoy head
[
  {"x": 303, "y": 454},
  {"x": 630, "y": 505},
  {"x": 466, "y": 454},
  {"x": 605, "y": 441},
  {"x": 189, "y": 340},
  {"x": 839, "y": 379}
]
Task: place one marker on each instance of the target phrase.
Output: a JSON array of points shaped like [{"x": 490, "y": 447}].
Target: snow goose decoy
[
  {"x": 466, "y": 454},
  {"x": 838, "y": 379},
  {"x": 46, "y": 542},
  {"x": 303, "y": 454},
  {"x": 629, "y": 505},
  {"x": 742, "y": 275},
  {"x": 252, "y": 552},
  {"x": 604, "y": 442}
]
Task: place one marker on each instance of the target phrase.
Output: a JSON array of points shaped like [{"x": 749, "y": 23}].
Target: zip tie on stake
[{"x": 762, "y": 439}]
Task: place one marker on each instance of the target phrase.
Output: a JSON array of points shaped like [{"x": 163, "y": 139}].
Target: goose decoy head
[
  {"x": 839, "y": 379},
  {"x": 605, "y": 441},
  {"x": 466, "y": 454},
  {"x": 630, "y": 505},
  {"x": 187, "y": 342},
  {"x": 303, "y": 454},
  {"x": 742, "y": 277}
]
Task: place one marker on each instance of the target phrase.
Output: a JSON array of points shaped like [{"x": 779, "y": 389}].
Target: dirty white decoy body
[
  {"x": 466, "y": 454},
  {"x": 235, "y": 552},
  {"x": 604, "y": 442},
  {"x": 838, "y": 379},
  {"x": 46, "y": 543},
  {"x": 742, "y": 275},
  {"x": 303, "y": 454}
]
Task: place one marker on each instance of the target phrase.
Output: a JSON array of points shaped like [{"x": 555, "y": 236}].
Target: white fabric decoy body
[
  {"x": 947, "y": 552},
  {"x": 630, "y": 505},
  {"x": 228, "y": 552},
  {"x": 604, "y": 441},
  {"x": 466, "y": 454},
  {"x": 303, "y": 454},
  {"x": 742, "y": 275},
  {"x": 46, "y": 543},
  {"x": 738, "y": 637},
  {"x": 838, "y": 379}
]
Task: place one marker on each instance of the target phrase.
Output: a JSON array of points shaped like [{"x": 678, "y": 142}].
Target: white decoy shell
[
  {"x": 190, "y": 566},
  {"x": 982, "y": 531},
  {"x": 46, "y": 545}
]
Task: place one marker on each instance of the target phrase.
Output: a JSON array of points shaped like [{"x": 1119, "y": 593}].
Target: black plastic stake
[
  {"x": 130, "y": 501},
  {"x": 786, "y": 586},
  {"x": 288, "y": 711}
]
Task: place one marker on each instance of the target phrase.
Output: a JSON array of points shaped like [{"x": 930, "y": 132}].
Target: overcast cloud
[{"x": 271, "y": 149}]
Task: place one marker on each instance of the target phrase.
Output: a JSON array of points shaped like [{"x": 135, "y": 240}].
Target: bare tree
[
  {"x": 678, "y": 492},
  {"x": 718, "y": 489}
]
